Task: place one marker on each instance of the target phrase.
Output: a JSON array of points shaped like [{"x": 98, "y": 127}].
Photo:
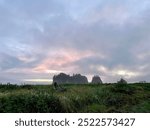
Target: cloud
[
  {"x": 42, "y": 38},
  {"x": 115, "y": 12},
  {"x": 62, "y": 60}
]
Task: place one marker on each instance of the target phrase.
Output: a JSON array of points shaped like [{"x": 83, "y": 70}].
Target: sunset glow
[{"x": 39, "y": 80}]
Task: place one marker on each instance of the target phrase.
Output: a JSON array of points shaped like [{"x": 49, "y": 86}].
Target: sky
[{"x": 42, "y": 38}]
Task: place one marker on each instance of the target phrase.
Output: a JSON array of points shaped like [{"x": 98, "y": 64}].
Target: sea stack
[
  {"x": 63, "y": 78},
  {"x": 96, "y": 80}
]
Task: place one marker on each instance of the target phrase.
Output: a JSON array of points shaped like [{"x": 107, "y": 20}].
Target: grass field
[{"x": 105, "y": 98}]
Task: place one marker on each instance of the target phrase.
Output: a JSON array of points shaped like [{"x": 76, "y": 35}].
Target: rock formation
[
  {"x": 96, "y": 80},
  {"x": 63, "y": 78}
]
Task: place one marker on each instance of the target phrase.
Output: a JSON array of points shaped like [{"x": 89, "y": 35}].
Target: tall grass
[
  {"x": 77, "y": 98},
  {"x": 29, "y": 102}
]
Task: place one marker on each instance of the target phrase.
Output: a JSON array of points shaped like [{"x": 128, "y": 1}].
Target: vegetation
[{"x": 119, "y": 97}]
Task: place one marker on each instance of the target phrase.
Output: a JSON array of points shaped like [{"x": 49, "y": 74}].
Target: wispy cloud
[{"x": 42, "y": 38}]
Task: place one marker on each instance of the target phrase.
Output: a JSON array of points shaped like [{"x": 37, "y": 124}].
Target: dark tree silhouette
[{"x": 122, "y": 81}]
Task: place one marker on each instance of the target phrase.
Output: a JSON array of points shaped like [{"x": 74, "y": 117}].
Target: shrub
[
  {"x": 123, "y": 87},
  {"x": 30, "y": 103},
  {"x": 126, "y": 89}
]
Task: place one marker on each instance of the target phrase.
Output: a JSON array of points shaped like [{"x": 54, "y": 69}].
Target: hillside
[{"x": 77, "y": 98}]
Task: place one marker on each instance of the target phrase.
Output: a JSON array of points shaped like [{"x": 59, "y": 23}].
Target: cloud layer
[{"x": 41, "y": 38}]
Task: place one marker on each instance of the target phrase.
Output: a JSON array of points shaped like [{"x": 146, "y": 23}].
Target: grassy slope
[{"x": 77, "y": 98}]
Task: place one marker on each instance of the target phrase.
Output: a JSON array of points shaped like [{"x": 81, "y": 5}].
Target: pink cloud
[{"x": 62, "y": 60}]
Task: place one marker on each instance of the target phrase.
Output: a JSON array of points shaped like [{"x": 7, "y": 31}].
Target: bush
[
  {"x": 26, "y": 86},
  {"x": 126, "y": 89},
  {"x": 30, "y": 103},
  {"x": 123, "y": 87}
]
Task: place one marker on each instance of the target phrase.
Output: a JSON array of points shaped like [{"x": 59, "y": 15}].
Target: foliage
[
  {"x": 117, "y": 97},
  {"x": 32, "y": 102}
]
